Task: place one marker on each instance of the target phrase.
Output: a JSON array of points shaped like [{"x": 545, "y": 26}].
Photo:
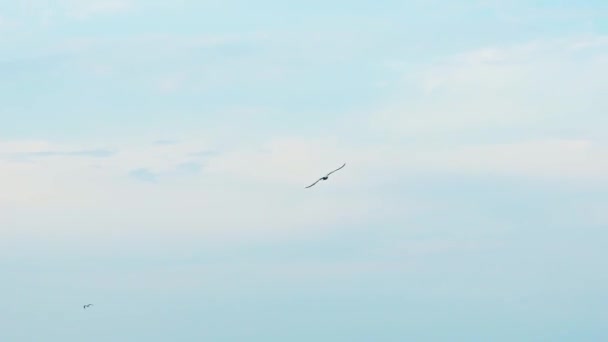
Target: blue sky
[{"x": 154, "y": 154}]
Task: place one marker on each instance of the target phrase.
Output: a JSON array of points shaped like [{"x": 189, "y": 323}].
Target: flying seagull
[
  {"x": 325, "y": 177},
  {"x": 86, "y": 306}
]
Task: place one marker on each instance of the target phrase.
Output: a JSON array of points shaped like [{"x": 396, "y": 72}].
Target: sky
[{"x": 154, "y": 157}]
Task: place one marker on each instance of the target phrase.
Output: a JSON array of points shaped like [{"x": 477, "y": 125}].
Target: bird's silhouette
[
  {"x": 86, "y": 306},
  {"x": 325, "y": 177}
]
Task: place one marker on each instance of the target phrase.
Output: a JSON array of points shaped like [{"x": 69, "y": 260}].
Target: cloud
[
  {"x": 256, "y": 192},
  {"x": 292, "y": 161},
  {"x": 549, "y": 160},
  {"x": 144, "y": 175},
  {"x": 30, "y": 150},
  {"x": 81, "y": 153},
  {"x": 203, "y": 153},
  {"x": 163, "y": 160},
  {"x": 181, "y": 170},
  {"x": 541, "y": 87},
  {"x": 189, "y": 168},
  {"x": 255, "y": 189},
  {"x": 217, "y": 197},
  {"x": 166, "y": 142}
]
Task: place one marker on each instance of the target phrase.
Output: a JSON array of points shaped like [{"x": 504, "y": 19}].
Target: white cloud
[
  {"x": 546, "y": 99},
  {"x": 238, "y": 195},
  {"x": 252, "y": 188},
  {"x": 550, "y": 84},
  {"x": 251, "y": 192},
  {"x": 549, "y": 160},
  {"x": 279, "y": 166}
]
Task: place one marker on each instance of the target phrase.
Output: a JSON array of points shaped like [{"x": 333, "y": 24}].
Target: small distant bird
[
  {"x": 325, "y": 177},
  {"x": 86, "y": 306}
]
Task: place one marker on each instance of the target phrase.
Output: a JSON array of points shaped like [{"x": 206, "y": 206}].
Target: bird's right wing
[
  {"x": 313, "y": 183},
  {"x": 336, "y": 169}
]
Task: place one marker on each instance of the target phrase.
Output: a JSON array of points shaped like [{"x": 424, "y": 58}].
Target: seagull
[
  {"x": 86, "y": 306},
  {"x": 325, "y": 177}
]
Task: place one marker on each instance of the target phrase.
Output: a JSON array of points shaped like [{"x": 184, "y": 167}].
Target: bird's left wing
[{"x": 313, "y": 183}]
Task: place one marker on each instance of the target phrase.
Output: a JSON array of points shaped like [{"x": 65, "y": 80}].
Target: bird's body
[
  {"x": 325, "y": 177},
  {"x": 86, "y": 306}
]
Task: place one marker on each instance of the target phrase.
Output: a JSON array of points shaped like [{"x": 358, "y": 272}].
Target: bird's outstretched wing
[
  {"x": 313, "y": 183},
  {"x": 336, "y": 169}
]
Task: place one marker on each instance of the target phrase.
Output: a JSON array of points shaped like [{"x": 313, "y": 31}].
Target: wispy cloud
[
  {"x": 144, "y": 175},
  {"x": 189, "y": 168},
  {"x": 165, "y": 142},
  {"x": 27, "y": 156},
  {"x": 535, "y": 87},
  {"x": 181, "y": 170},
  {"x": 82, "y": 153},
  {"x": 204, "y": 153}
]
